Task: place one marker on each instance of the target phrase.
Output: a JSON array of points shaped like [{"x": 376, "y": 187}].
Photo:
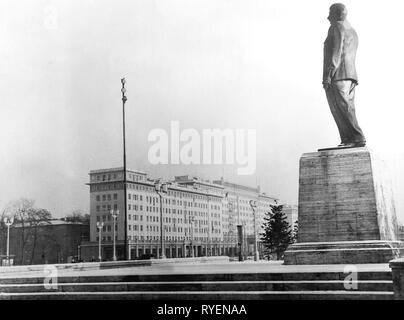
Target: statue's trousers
[{"x": 341, "y": 96}]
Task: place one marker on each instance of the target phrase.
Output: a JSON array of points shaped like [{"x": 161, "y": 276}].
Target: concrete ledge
[
  {"x": 112, "y": 264},
  {"x": 344, "y": 252}
]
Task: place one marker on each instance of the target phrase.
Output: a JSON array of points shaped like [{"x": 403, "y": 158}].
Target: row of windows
[
  {"x": 171, "y": 238},
  {"x": 106, "y": 177},
  {"x": 167, "y": 238},
  {"x": 108, "y": 228},
  {"x": 155, "y": 228},
  {"x": 106, "y": 197},
  {"x": 107, "y": 207},
  {"x": 154, "y": 200}
]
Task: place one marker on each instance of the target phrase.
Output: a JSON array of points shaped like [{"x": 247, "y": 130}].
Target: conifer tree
[{"x": 277, "y": 233}]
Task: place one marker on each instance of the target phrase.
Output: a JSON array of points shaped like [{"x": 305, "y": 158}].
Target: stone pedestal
[
  {"x": 346, "y": 210},
  {"x": 397, "y": 270}
]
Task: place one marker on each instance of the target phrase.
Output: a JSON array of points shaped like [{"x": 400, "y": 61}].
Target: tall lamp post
[
  {"x": 124, "y": 99},
  {"x": 191, "y": 221},
  {"x": 161, "y": 189},
  {"x": 114, "y": 214},
  {"x": 100, "y": 225},
  {"x": 209, "y": 251},
  {"x": 8, "y": 221},
  {"x": 253, "y": 205}
]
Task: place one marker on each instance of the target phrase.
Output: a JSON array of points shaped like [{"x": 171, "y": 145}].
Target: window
[
  {"x": 97, "y": 198},
  {"x": 115, "y": 196}
]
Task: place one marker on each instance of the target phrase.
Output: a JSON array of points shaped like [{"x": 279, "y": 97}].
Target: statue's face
[{"x": 330, "y": 17}]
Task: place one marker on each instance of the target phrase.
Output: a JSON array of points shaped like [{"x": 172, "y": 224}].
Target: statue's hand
[{"x": 326, "y": 84}]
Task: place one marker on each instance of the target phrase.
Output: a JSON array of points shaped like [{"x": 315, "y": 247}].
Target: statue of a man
[{"x": 339, "y": 76}]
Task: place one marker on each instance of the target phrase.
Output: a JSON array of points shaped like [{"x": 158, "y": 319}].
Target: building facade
[
  {"x": 50, "y": 241},
  {"x": 200, "y": 218}
]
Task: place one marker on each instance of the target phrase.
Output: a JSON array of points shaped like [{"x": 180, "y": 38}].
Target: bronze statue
[{"x": 339, "y": 76}]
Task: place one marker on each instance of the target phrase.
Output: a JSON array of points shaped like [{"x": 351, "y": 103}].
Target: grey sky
[{"x": 208, "y": 64}]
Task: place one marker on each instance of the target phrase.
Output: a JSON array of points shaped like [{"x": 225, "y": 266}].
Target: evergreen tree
[
  {"x": 277, "y": 233},
  {"x": 295, "y": 231}
]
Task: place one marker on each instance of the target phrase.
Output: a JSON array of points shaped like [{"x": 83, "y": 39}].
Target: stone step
[
  {"x": 279, "y": 276},
  {"x": 334, "y": 285},
  {"x": 202, "y": 295}
]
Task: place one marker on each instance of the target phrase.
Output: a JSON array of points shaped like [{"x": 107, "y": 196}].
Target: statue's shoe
[
  {"x": 352, "y": 144},
  {"x": 360, "y": 144}
]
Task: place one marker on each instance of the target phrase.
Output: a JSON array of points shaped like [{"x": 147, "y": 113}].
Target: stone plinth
[
  {"x": 397, "y": 270},
  {"x": 346, "y": 210}
]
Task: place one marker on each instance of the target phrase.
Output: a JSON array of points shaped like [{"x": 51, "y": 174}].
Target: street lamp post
[
  {"x": 114, "y": 214},
  {"x": 191, "y": 220},
  {"x": 253, "y": 205},
  {"x": 124, "y": 99},
  {"x": 209, "y": 251},
  {"x": 161, "y": 188},
  {"x": 8, "y": 221},
  {"x": 100, "y": 225}
]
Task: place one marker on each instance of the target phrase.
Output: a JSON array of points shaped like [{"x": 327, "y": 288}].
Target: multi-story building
[{"x": 199, "y": 217}]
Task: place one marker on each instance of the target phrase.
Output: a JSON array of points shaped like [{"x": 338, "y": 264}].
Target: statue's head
[{"x": 338, "y": 12}]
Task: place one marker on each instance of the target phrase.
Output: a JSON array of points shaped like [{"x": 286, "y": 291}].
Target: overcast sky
[{"x": 238, "y": 64}]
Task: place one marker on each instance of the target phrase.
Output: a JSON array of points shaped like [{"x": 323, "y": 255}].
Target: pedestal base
[
  {"x": 346, "y": 210},
  {"x": 345, "y": 252}
]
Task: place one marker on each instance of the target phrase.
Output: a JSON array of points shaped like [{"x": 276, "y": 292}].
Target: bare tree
[
  {"x": 40, "y": 217},
  {"x": 27, "y": 218}
]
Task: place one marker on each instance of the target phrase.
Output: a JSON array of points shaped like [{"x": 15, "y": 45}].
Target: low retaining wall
[{"x": 110, "y": 264}]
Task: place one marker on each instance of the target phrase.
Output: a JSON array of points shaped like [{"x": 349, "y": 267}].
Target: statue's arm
[{"x": 332, "y": 53}]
